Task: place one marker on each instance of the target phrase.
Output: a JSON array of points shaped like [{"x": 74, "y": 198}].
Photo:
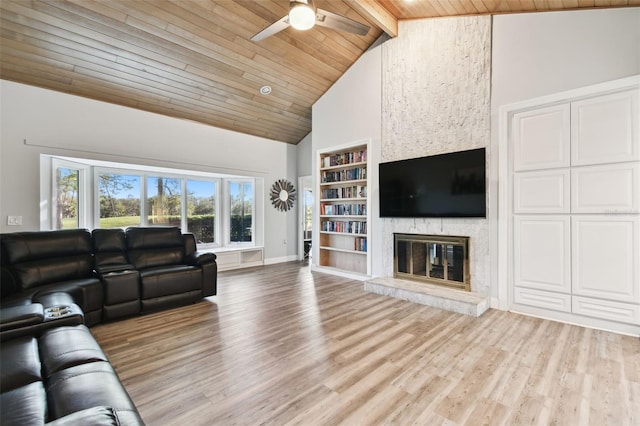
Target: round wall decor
[{"x": 283, "y": 194}]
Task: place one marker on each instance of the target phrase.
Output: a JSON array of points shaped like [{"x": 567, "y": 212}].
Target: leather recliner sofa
[
  {"x": 52, "y": 371},
  {"x": 61, "y": 377},
  {"x": 109, "y": 273}
]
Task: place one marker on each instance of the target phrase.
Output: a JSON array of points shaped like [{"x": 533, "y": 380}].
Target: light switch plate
[{"x": 14, "y": 220}]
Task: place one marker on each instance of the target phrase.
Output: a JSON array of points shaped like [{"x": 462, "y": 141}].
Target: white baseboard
[{"x": 283, "y": 259}]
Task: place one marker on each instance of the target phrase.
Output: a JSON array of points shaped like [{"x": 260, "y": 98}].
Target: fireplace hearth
[{"x": 437, "y": 259}]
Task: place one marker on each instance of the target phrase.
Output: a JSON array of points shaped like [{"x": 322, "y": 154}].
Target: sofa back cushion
[
  {"x": 42, "y": 257},
  {"x": 109, "y": 247},
  {"x": 155, "y": 246}
]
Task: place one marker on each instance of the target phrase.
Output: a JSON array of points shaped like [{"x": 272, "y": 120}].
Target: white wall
[
  {"x": 350, "y": 111},
  {"x": 305, "y": 157},
  {"x": 536, "y": 54},
  {"x": 36, "y": 121}
]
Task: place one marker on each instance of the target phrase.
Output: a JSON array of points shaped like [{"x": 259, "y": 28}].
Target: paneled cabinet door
[
  {"x": 542, "y": 252},
  {"x": 546, "y": 191},
  {"x": 542, "y": 138},
  {"x": 607, "y": 189},
  {"x": 605, "y": 257},
  {"x": 604, "y": 129}
]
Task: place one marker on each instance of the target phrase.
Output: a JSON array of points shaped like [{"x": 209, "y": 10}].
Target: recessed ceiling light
[{"x": 265, "y": 90}]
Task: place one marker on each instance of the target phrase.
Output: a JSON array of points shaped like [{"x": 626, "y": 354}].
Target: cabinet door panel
[
  {"x": 605, "y": 257},
  {"x": 604, "y": 129},
  {"x": 542, "y": 252},
  {"x": 541, "y": 192},
  {"x": 612, "y": 188},
  {"x": 542, "y": 138},
  {"x": 606, "y": 309},
  {"x": 542, "y": 299}
]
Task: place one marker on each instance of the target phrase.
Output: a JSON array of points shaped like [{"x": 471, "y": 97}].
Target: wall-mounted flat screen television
[{"x": 446, "y": 185}]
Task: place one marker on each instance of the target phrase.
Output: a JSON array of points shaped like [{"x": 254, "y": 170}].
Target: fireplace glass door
[{"x": 441, "y": 260}]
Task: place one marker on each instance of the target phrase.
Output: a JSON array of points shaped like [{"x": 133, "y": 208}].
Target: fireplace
[{"x": 436, "y": 259}]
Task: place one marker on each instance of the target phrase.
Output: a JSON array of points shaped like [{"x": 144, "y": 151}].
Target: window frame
[
  {"x": 89, "y": 196},
  {"x": 96, "y": 191},
  {"x": 83, "y": 192},
  {"x": 217, "y": 236},
  {"x": 227, "y": 197}
]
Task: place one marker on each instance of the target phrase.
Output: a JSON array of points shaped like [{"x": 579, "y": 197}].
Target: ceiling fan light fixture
[{"x": 302, "y": 15}]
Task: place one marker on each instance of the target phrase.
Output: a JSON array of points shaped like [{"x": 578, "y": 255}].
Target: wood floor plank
[{"x": 280, "y": 345}]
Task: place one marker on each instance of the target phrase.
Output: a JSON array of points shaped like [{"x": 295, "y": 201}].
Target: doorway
[{"x": 305, "y": 214}]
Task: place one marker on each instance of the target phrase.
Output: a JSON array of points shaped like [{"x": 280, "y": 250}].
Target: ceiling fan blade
[
  {"x": 338, "y": 22},
  {"x": 272, "y": 29}
]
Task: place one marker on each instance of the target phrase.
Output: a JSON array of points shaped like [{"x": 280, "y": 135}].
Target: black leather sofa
[
  {"x": 109, "y": 273},
  {"x": 56, "y": 283},
  {"x": 61, "y": 377}
]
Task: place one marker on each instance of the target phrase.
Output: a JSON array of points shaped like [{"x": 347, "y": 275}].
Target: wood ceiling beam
[{"x": 375, "y": 12}]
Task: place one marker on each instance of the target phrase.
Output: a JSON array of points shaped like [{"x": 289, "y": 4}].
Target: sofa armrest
[
  {"x": 200, "y": 258},
  {"x": 209, "y": 268},
  {"x": 21, "y": 316}
]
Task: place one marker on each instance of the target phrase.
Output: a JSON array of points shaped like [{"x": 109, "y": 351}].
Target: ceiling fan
[{"x": 303, "y": 15}]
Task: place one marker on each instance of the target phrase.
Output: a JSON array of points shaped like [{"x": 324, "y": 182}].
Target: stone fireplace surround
[{"x": 473, "y": 302}]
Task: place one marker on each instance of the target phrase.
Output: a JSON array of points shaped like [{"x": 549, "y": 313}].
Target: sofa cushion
[
  {"x": 109, "y": 248},
  {"x": 65, "y": 347},
  {"x": 24, "y": 406},
  {"x": 95, "y": 416},
  {"x": 148, "y": 247},
  {"x": 165, "y": 280},
  {"x": 19, "y": 363},
  {"x": 86, "y": 386},
  {"x": 43, "y": 257}
]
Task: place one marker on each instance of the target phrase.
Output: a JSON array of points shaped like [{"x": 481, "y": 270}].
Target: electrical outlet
[{"x": 14, "y": 220}]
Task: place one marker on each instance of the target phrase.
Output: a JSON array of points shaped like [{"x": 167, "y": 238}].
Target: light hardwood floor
[{"x": 281, "y": 345}]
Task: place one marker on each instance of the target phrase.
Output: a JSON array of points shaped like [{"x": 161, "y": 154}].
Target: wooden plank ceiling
[{"x": 193, "y": 59}]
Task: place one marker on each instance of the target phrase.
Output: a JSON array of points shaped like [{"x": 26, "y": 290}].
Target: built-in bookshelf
[{"x": 344, "y": 210}]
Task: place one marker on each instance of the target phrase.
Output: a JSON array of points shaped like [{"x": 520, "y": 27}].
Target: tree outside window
[
  {"x": 201, "y": 202},
  {"x": 119, "y": 200},
  {"x": 164, "y": 197},
  {"x": 241, "y": 206},
  {"x": 67, "y": 202}
]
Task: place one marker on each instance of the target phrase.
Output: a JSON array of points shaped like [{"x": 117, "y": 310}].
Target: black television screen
[{"x": 446, "y": 185}]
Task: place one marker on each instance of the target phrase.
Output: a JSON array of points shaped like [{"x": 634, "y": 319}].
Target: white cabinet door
[
  {"x": 610, "y": 189},
  {"x": 542, "y": 138},
  {"x": 542, "y": 299},
  {"x": 605, "y": 257},
  {"x": 542, "y": 249},
  {"x": 541, "y": 192},
  {"x": 598, "y": 308},
  {"x": 604, "y": 129}
]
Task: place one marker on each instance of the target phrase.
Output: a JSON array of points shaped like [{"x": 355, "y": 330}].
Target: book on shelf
[
  {"x": 361, "y": 244},
  {"x": 357, "y": 173},
  {"x": 344, "y": 158},
  {"x": 345, "y": 227},
  {"x": 343, "y": 209},
  {"x": 355, "y": 191}
]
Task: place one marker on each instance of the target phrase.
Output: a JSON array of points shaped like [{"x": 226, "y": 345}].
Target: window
[
  {"x": 164, "y": 201},
  {"x": 201, "y": 210},
  {"x": 97, "y": 194},
  {"x": 119, "y": 198},
  {"x": 67, "y": 199},
  {"x": 241, "y": 211}
]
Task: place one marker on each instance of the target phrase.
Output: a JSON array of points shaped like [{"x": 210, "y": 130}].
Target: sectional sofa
[{"x": 56, "y": 284}]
